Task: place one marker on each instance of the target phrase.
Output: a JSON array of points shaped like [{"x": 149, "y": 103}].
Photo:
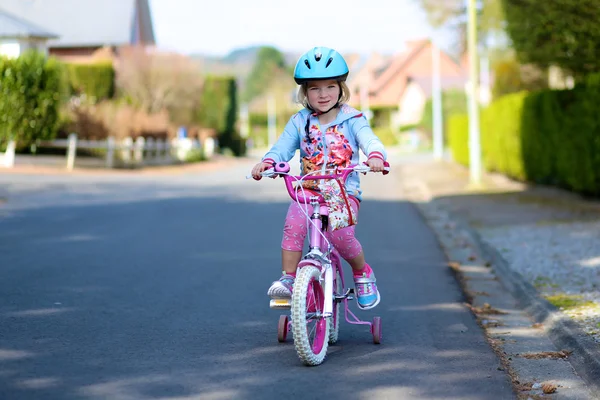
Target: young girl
[{"x": 329, "y": 134}]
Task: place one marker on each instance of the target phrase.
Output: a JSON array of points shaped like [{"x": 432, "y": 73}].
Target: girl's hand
[
  {"x": 258, "y": 168},
  {"x": 376, "y": 164}
]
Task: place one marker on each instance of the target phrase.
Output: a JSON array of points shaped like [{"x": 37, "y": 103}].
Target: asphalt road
[{"x": 120, "y": 287}]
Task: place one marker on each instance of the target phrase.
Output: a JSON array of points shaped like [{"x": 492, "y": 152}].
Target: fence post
[
  {"x": 160, "y": 149},
  {"x": 209, "y": 147},
  {"x": 110, "y": 152},
  {"x": 150, "y": 147},
  {"x": 71, "y": 151},
  {"x": 126, "y": 150},
  {"x": 138, "y": 154},
  {"x": 9, "y": 154}
]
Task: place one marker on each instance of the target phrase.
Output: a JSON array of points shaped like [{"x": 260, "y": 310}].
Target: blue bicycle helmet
[{"x": 320, "y": 63}]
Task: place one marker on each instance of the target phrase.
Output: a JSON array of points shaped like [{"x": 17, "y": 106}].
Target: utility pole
[
  {"x": 272, "y": 120},
  {"x": 474, "y": 140},
  {"x": 244, "y": 123},
  {"x": 438, "y": 133}
]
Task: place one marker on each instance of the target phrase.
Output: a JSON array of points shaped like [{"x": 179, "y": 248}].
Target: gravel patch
[{"x": 562, "y": 261}]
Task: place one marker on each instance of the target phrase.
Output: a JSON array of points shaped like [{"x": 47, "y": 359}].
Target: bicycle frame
[
  {"x": 325, "y": 259},
  {"x": 321, "y": 254}
]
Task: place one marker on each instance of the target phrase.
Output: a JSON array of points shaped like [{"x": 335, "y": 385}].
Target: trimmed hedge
[
  {"x": 96, "y": 81},
  {"x": 453, "y": 102},
  {"x": 32, "y": 89},
  {"x": 219, "y": 111},
  {"x": 458, "y": 138},
  {"x": 549, "y": 137}
]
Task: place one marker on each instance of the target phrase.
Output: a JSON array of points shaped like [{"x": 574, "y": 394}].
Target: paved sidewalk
[
  {"x": 542, "y": 243},
  {"x": 217, "y": 161}
]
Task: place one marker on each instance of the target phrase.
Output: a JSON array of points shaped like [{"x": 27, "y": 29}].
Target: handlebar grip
[{"x": 385, "y": 164}]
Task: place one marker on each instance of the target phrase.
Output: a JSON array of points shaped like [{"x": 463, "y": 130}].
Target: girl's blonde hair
[{"x": 302, "y": 97}]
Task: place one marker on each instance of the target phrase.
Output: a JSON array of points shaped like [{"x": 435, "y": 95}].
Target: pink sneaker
[{"x": 367, "y": 295}]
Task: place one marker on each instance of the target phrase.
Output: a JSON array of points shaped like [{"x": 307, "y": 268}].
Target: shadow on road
[{"x": 165, "y": 297}]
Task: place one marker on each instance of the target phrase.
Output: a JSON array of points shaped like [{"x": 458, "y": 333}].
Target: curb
[{"x": 562, "y": 331}]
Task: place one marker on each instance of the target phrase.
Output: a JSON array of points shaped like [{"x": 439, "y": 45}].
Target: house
[
  {"x": 18, "y": 35},
  {"x": 79, "y": 28},
  {"x": 398, "y": 87}
]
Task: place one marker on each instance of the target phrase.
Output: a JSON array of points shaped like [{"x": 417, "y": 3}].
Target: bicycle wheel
[
  {"x": 334, "y": 321},
  {"x": 282, "y": 328},
  {"x": 309, "y": 328}
]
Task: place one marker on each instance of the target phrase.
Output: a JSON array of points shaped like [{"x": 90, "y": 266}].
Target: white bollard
[
  {"x": 127, "y": 146},
  {"x": 209, "y": 147},
  {"x": 110, "y": 152},
  {"x": 9, "y": 155},
  {"x": 71, "y": 151},
  {"x": 138, "y": 154}
]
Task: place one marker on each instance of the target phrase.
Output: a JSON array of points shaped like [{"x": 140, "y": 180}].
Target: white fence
[{"x": 124, "y": 153}]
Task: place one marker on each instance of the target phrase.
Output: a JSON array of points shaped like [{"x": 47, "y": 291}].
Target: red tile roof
[{"x": 388, "y": 84}]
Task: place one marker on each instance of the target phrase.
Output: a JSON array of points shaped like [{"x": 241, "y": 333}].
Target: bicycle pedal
[{"x": 280, "y": 303}]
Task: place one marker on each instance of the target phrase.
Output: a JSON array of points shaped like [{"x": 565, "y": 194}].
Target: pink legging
[{"x": 295, "y": 230}]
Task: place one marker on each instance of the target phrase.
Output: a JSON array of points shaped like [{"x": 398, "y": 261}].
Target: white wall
[
  {"x": 14, "y": 47},
  {"x": 412, "y": 105},
  {"x": 10, "y": 48}
]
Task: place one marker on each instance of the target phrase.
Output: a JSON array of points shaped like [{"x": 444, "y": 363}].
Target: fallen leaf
[
  {"x": 454, "y": 265},
  {"x": 547, "y": 354},
  {"x": 549, "y": 387}
]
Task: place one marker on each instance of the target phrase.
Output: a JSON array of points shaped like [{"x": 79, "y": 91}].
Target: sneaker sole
[{"x": 279, "y": 292}]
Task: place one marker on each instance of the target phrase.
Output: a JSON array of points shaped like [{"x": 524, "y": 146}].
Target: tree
[
  {"x": 269, "y": 64},
  {"x": 564, "y": 33},
  {"x": 32, "y": 89},
  {"x": 512, "y": 76},
  {"x": 452, "y": 13},
  {"x": 159, "y": 81}
]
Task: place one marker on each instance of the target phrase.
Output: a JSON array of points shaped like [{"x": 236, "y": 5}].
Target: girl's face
[{"x": 322, "y": 95}]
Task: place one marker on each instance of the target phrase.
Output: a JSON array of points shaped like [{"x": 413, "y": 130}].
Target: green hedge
[
  {"x": 549, "y": 137},
  {"x": 458, "y": 138},
  {"x": 218, "y": 110},
  {"x": 96, "y": 81},
  {"x": 453, "y": 102},
  {"x": 32, "y": 89}
]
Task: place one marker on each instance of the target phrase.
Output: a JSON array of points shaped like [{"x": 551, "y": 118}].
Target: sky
[{"x": 216, "y": 27}]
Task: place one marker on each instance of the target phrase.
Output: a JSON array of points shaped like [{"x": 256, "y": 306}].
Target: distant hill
[{"x": 239, "y": 62}]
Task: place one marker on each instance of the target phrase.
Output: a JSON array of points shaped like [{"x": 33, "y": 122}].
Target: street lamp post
[
  {"x": 271, "y": 120},
  {"x": 438, "y": 134},
  {"x": 474, "y": 141}
]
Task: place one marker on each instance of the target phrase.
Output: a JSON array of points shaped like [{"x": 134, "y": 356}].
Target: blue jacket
[{"x": 336, "y": 144}]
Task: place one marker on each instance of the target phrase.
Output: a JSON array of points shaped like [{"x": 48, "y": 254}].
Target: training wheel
[
  {"x": 282, "y": 328},
  {"x": 376, "y": 330}
]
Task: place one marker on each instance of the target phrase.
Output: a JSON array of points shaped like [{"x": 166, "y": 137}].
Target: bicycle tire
[
  {"x": 310, "y": 329},
  {"x": 334, "y": 321}
]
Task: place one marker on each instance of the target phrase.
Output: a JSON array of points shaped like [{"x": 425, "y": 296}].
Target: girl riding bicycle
[{"x": 329, "y": 134}]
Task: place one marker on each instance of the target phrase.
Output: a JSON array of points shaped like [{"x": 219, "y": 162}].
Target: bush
[
  {"x": 548, "y": 137},
  {"x": 96, "y": 81},
  {"x": 387, "y": 136},
  {"x": 32, "y": 89},
  {"x": 453, "y": 102},
  {"x": 512, "y": 77},
  {"x": 458, "y": 138}
]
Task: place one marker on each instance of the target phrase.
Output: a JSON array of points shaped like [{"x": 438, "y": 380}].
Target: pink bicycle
[{"x": 319, "y": 287}]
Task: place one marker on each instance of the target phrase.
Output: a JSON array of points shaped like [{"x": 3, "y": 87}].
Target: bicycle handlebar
[{"x": 283, "y": 168}]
